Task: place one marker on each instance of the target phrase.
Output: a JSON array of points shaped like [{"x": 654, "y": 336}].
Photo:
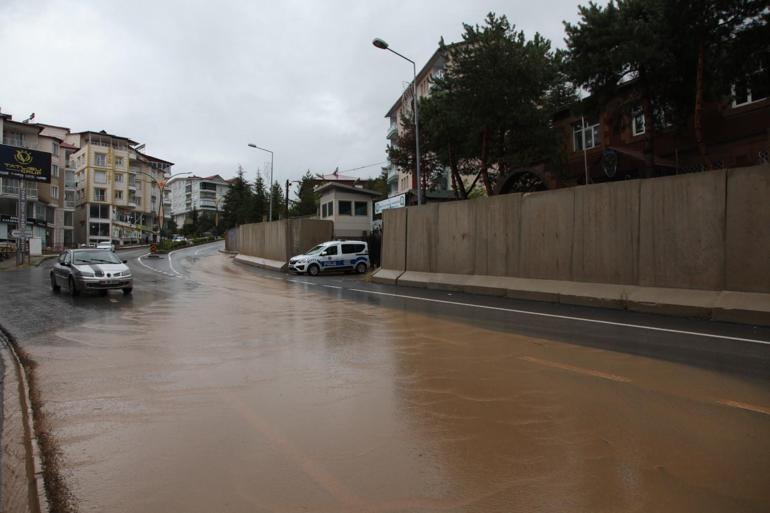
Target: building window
[
  {"x": 13, "y": 138},
  {"x": 54, "y": 192},
  {"x": 118, "y": 161},
  {"x": 99, "y": 229},
  {"x": 327, "y": 209},
  {"x": 100, "y": 177},
  {"x": 118, "y": 178},
  {"x": 99, "y": 211},
  {"x": 362, "y": 208},
  {"x": 68, "y": 218},
  {"x": 753, "y": 88},
  {"x": 100, "y": 159},
  {"x": 637, "y": 120},
  {"x": 54, "y": 171},
  {"x": 118, "y": 195},
  {"x": 55, "y": 149},
  {"x": 99, "y": 194},
  {"x": 591, "y": 136},
  {"x": 345, "y": 208}
]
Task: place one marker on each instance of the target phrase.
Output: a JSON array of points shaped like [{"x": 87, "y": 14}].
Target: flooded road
[{"x": 240, "y": 393}]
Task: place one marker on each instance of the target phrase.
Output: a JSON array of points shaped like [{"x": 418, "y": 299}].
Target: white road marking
[
  {"x": 152, "y": 268},
  {"x": 171, "y": 262},
  {"x": 576, "y": 370},
  {"x": 331, "y": 286},
  {"x": 566, "y": 317},
  {"x": 744, "y": 406}
]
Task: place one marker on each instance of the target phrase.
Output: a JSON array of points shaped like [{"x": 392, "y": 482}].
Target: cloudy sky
[{"x": 196, "y": 80}]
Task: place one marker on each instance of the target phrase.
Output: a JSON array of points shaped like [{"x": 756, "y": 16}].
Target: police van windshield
[{"x": 316, "y": 250}]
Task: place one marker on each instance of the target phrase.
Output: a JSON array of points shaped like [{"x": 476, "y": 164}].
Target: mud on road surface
[{"x": 246, "y": 394}]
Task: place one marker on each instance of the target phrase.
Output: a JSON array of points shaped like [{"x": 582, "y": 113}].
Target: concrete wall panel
[
  {"x": 682, "y": 231},
  {"x": 747, "y": 252},
  {"x": 307, "y": 233},
  {"x": 394, "y": 239},
  {"x": 456, "y": 245},
  {"x": 546, "y": 234},
  {"x": 502, "y": 217},
  {"x": 422, "y": 238},
  {"x": 606, "y": 239}
]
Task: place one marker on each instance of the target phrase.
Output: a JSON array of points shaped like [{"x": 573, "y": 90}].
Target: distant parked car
[
  {"x": 91, "y": 269},
  {"x": 333, "y": 255},
  {"x": 105, "y": 244},
  {"x": 179, "y": 238}
]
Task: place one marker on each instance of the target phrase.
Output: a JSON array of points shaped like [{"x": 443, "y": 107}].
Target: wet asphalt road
[{"x": 223, "y": 388}]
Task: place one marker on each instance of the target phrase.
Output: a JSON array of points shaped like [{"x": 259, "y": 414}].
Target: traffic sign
[{"x": 18, "y": 234}]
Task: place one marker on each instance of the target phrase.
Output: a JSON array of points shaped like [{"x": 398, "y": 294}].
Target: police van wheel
[
  {"x": 313, "y": 270},
  {"x": 361, "y": 268}
]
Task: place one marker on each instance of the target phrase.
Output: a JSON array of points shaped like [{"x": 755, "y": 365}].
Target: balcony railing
[{"x": 14, "y": 189}]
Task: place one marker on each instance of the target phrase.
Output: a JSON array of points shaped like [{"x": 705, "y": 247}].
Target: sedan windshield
[{"x": 95, "y": 257}]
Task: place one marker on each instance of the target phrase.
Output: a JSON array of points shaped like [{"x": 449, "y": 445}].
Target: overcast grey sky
[{"x": 196, "y": 80}]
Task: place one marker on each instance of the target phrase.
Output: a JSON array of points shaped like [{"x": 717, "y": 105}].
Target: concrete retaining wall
[
  {"x": 702, "y": 231},
  {"x": 279, "y": 240}
]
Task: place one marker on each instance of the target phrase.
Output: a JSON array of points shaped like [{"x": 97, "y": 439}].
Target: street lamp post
[
  {"x": 382, "y": 45},
  {"x": 162, "y": 187},
  {"x": 270, "y": 188}
]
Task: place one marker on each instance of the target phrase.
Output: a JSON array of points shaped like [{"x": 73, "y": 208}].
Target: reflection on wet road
[{"x": 238, "y": 393}]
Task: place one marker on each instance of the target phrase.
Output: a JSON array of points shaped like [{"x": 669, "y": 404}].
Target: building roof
[
  {"x": 68, "y": 146},
  {"x": 154, "y": 159},
  {"x": 347, "y": 188},
  {"x": 104, "y": 132}
]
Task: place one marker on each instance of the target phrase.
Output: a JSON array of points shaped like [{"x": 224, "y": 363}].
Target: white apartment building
[
  {"x": 202, "y": 194},
  {"x": 400, "y": 182}
]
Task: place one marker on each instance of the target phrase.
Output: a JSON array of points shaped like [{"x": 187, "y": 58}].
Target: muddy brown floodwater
[{"x": 246, "y": 394}]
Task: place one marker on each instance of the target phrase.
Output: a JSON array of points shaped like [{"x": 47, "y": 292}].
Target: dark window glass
[
  {"x": 331, "y": 250},
  {"x": 362, "y": 208},
  {"x": 93, "y": 229},
  {"x": 348, "y": 249},
  {"x": 346, "y": 209}
]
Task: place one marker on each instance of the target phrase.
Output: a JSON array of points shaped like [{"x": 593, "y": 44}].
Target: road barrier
[{"x": 700, "y": 232}]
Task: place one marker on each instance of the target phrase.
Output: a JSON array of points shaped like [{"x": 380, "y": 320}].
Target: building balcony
[
  {"x": 14, "y": 190},
  {"x": 392, "y": 176},
  {"x": 204, "y": 203},
  {"x": 69, "y": 203},
  {"x": 392, "y": 132}
]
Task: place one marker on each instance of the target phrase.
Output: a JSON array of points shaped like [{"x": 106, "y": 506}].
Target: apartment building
[
  {"x": 202, "y": 194},
  {"x": 40, "y": 207},
  {"x": 400, "y": 182},
  {"x": 118, "y": 195}
]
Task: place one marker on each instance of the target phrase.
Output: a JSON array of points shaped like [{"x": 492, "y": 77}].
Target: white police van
[{"x": 337, "y": 255}]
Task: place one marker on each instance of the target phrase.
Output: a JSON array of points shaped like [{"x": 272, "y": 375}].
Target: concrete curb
[
  {"x": 262, "y": 263},
  {"x": 731, "y": 306},
  {"x": 228, "y": 252},
  {"x": 38, "y": 503}
]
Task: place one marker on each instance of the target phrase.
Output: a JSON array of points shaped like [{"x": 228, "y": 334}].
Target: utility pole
[{"x": 286, "y": 203}]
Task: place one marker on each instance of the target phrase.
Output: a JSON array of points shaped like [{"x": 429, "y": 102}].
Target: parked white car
[
  {"x": 334, "y": 255},
  {"x": 105, "y": 244}
]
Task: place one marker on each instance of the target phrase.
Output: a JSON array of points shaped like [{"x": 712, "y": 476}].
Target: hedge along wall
[{"x": 706, "y": 231}]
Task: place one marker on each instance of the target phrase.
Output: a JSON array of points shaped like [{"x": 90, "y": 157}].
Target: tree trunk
[
  {"x": 484, "y": 162},
  {"x": 456, "y": 178},
  {"x": 649, "y": 139},
  {"x": 697, "y": 125}
]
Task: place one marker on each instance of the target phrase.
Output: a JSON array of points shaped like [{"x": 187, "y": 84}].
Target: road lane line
[
  {"x": 744, "y": 406},
  {"x": 331, "y": 286},
  {"x": 577, "y": 370},
  {"x": 171, "y": 263},
  {"x": 566, "y": 317}
]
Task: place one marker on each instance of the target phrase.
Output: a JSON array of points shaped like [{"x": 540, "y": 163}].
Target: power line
[{"x": 363, "y": 167}]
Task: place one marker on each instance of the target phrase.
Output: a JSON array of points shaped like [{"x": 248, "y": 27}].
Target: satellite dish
[{"x": 610, "y": 163}]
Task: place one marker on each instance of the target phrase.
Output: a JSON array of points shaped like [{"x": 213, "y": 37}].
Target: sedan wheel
[{"x": 73, "y": 289}]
